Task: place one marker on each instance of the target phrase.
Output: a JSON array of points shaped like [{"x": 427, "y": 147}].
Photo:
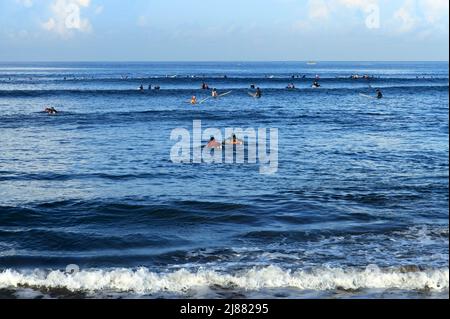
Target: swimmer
[
  {"x": 233, "y": 141},
  {"x": 213, "y": 143},
  {"x": 379, "y": 94},
  {"x": 258, "y": 93},
  {"x": 50, "y": 110}
]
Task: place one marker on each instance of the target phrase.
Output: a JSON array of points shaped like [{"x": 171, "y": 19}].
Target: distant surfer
[
  {"x": 233, "y": 141},
  {"x": 253, "y": 86},
  {"x": 51, "y": 110},
  {"x": 141, "y": 88},
  {"x": 205, "y": 86},
  {"x": 150, "y": 87},
  {"x": 291, "y": 86},
  {"x": 213, "y": 143},
  {"x": 379, "y": 94},
  {"x": 316, "y": 84},
  {"x": 194, "y": 100},
  {"x": 214, "y": 93},
  {"x": 258, "y": 93}
]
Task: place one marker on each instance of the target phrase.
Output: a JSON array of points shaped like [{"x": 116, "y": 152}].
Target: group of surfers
[
  {"x": 214, "y": 94},
  {"x": 150, "y": 87}
]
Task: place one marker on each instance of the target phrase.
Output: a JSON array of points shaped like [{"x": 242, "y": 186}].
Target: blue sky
[{"x": 195, "y": 30}]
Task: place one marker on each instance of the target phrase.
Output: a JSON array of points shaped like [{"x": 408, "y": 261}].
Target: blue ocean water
[{"x": 358, "y": 207}]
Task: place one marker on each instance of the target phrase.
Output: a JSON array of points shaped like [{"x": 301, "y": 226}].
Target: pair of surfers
[{"x": 214, "y": 144}]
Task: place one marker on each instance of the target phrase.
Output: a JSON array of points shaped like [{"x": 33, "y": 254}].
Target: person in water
[
  {"x": 290, "y": 86},
  {"x": 214, "y": 93},
  {"x": 316, "y": 84},
  {"x": 150, "y": 87},
  {"x": 213, "y": 143},
  {"x": 379, "y": 94},
  {"x": 258, "y": 93},
  {"x": 50, "y": 110},
  {"x": 141, "y": 88},
  {"x": 194, "y": 100},
  {"x": 233, "y": 141},
  {"x": 252, "y": 86}
]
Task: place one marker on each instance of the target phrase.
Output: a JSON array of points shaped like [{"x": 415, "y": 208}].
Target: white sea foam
[{"x": 143, "y": 281}]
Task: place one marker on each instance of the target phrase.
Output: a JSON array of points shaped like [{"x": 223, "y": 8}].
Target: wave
[
  {"x": 143, "y": 281},
  {"x": 188, "y": 92},
  {"x": 106, "y": 213},
  {"x": 49, "y": 176}
]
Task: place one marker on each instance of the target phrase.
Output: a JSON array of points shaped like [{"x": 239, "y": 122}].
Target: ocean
[{"x": 93, "y": 206}]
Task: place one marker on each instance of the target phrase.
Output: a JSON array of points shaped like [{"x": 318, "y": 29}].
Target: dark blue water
[{"x": 357, "y": 208}]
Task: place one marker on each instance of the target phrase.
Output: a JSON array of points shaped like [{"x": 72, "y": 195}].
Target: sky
[{"x": 227, "y": 30}]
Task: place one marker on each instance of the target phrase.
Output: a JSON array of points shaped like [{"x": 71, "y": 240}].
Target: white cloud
[
  {"x": 435, "y": 10},
  {"x": 406, "y": 17},
  {"x": 323, "y": 9},
  {"x": 422, "y": 16},
  {"x": 67, "y": 17}
]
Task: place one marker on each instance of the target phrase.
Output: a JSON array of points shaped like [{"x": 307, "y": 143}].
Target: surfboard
[
  {"x": 204, "y": 100},
  {"x": 368, "y": 96},
  {"x": 211, "y": 97},
  {"x": 225, "y": 94}
]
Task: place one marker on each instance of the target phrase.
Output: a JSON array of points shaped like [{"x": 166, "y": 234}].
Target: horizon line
[{"x": 222, "y": 61}]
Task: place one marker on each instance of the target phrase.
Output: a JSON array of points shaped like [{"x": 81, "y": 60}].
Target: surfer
[
  {"x": 150, "y": 87},
  {"x": 233, "y": 141},
  {"x": 252, "y": 86},
  {"x": 213, "y": 143},
  {"x": 214, "y": 93},
  {"x": 291, "y": 86},
  {"x": 205, "y": 86},
  {"x": 258, "y": 93},
  {"x": 194, "y": 100},
  {"x": 379, "y": 94},
  {"x": 50, "y": 110},
  {"x": 316, "y": 84},
  {"x": 141, "y": 88}
]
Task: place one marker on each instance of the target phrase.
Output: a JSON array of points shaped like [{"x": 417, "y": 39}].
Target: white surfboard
[{"x": 368, "y": 96}]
